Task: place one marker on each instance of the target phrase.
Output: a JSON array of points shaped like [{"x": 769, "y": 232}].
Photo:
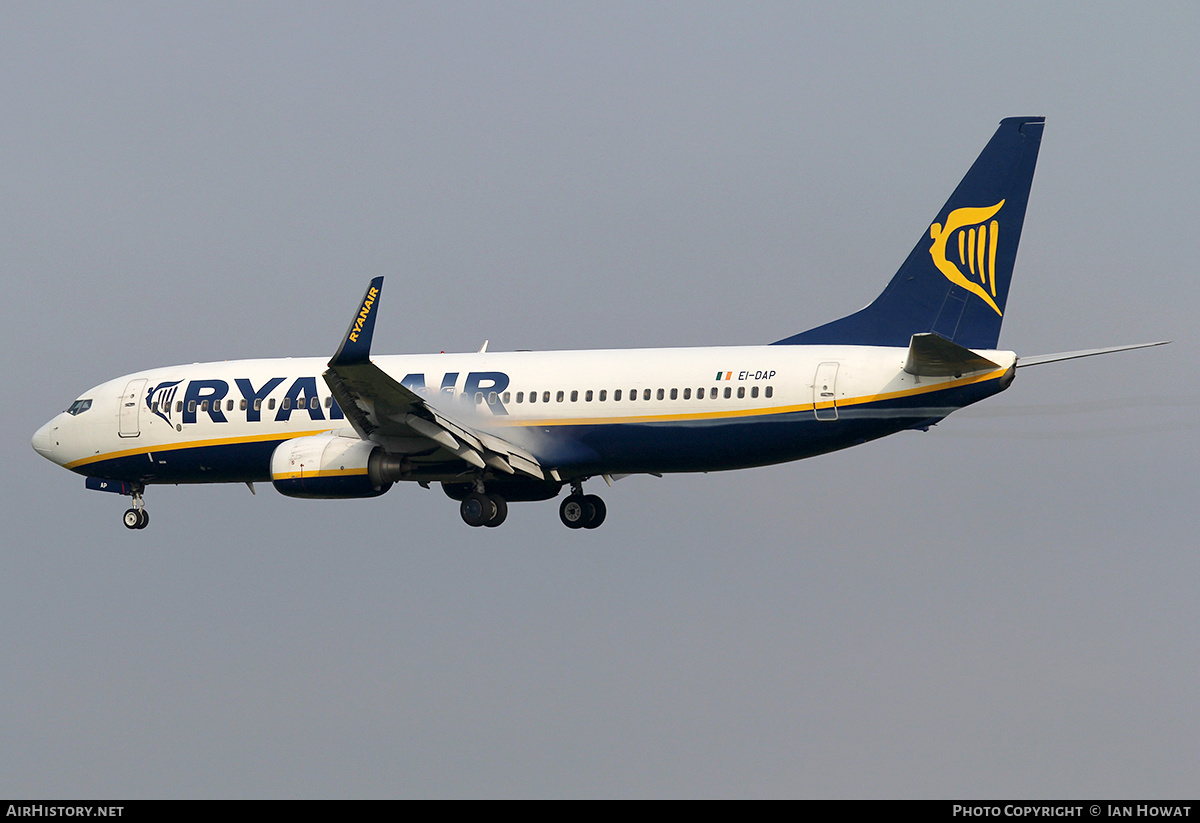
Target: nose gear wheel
[{"x": 137, "y": 517}]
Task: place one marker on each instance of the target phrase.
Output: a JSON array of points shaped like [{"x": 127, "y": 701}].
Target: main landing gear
[
  {"x": 480, "y": 509},
  {"x": 581, "y": 511},
  {"x": 137, "y": 517}
]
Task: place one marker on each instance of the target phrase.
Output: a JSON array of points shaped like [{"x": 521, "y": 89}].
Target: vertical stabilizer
[{"x": 955, "y": 281}]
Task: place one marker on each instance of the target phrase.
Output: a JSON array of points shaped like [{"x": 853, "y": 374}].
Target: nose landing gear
[{"x": 137, "y": 517}]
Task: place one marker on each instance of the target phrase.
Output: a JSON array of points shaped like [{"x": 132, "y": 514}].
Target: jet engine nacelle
[{"x": 327, "y": 466}]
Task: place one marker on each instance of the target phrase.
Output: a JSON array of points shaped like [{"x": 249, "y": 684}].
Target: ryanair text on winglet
[{"x": 364, "y": 313}]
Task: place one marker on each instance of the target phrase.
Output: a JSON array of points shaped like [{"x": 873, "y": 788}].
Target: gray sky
[{"x": 1005, "y": 605}]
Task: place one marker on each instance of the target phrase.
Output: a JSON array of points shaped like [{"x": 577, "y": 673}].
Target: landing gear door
[
  {"x": 825, "y": 392},
  {"x": 131, "y": 404}
]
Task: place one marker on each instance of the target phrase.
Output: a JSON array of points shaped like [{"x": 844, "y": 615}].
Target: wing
[{"x": 383, "y": 410}]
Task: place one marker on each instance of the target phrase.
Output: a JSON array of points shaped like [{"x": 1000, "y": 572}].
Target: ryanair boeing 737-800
[{"x": 498, "y": 427}]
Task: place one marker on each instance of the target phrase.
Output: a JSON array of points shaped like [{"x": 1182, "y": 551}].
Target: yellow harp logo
[{"x": 976, "y": 239}]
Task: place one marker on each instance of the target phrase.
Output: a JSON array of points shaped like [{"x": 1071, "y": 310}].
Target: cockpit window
[{"x": 79, "y": 407}]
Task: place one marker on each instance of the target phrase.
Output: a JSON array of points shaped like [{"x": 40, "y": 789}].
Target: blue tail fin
[{"x": 955, "y": 282}]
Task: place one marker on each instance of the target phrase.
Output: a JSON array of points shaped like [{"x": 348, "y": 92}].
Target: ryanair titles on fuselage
[{"x": 208, "y": 396}]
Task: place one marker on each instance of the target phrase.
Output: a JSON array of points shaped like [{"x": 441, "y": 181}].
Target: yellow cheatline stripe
[
  {"x": 647, "y": 418},
  {"x": 309, "y": 475},
  {"x": 576, "y": 421},
  {"x": 190, "y": 444},
  {"x": 754, "y": 412}
]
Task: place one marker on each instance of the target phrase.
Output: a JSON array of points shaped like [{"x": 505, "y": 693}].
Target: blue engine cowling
[{"x": 327, "y": 466}]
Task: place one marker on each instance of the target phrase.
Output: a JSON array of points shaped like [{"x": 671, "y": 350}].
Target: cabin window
[
  {"x": 587, "y": 397},
  {"x": 546, "y": 397},
  {"x": 633, "y": 394},
  {"x": 533, "y": 397},
  {"x": 674, "y": 394},
  {"x": 700, "y": 393},
  {"x": 603, "y": 395},
  {"x": 287, "y": 403},
  {"x": 559, "y": 397},
  {"x": 271, "y": 403},
  {"x": 645, "y": 394},
  {"x": 242, "y": 405},
  {"x": 770, "y": 391},
  {"x": 687, "y": 394},
  {"x": 713, "y": 393},
  {"x": 258, "y": 404},
  {"x": 728, "y": 392},
  {"x": 178, "y": 406},
  {"x": 574, "y": 396},
  {"x": 520, "y": 396},
  {"x": 661, "y": 394},
  {"x": 203, "y": 405},
  {"x": 741, "y": 391},
  {"x": 313, "y": 403},
  {"x": 191, "y": 407},
  {"x": 508, "y": 397},
  {"x": 329, "y": 401},
  {"x": 478, "y": 398},
  {"x": 754, "y": 391},
  {"x": 493, "y": 398},
  {"x": 616, "y": 395}
]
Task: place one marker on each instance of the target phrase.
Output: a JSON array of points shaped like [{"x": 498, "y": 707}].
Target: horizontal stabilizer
[
  {"x": 930, "y": 355},
  {"x": 1039, "y": 359}
]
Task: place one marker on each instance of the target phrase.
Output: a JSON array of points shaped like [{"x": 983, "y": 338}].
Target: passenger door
[
  {"x": 130, "y": 408},
  {"x": 825, "y": 392}
]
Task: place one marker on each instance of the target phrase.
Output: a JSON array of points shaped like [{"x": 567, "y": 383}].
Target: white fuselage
[{"x": 142, "y": 426}]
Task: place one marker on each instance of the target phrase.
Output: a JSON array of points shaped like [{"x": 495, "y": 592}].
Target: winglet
[{"x": 356, "y": 344}]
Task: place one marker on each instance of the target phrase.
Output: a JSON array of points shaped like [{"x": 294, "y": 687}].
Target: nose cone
[{"x": 43, "y": 443}]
